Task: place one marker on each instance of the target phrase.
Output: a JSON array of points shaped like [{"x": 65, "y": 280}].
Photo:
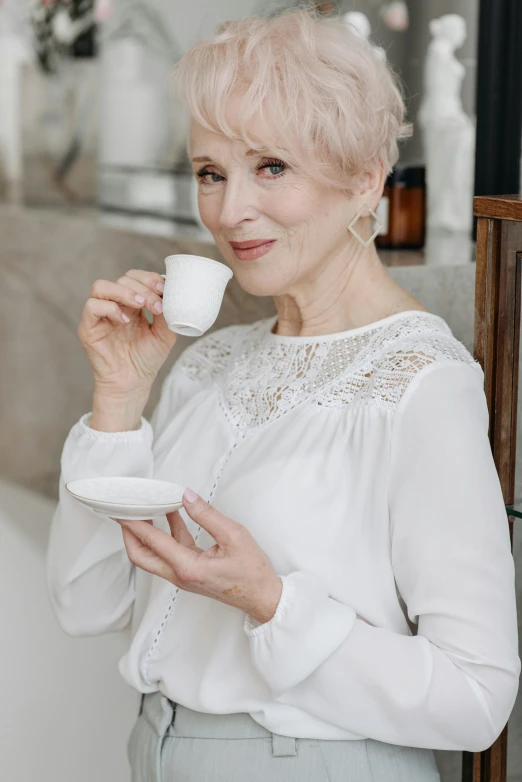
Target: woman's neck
[{"x": 362, "y": 294}]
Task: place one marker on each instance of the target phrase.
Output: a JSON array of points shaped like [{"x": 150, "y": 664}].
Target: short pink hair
[{"x": 336, "y": 108}]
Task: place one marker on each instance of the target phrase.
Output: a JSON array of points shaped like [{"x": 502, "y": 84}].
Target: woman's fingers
[
  {"x": 179, "y": 529},
  {"x": 95, "y": 309},
  {"x": 142, "y": 556},
  {"x": 152, "y": 300},
  {"x": 114, "y": 291},
  {"x": 152, "y": 280},
  {"x": 162, "y": 332}
]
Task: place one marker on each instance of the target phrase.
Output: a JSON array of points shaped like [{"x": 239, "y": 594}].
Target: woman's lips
[{"x": 251, "y": 253}]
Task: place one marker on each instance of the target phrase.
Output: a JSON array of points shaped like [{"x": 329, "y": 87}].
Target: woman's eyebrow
[{"x": 205, "y": 159}]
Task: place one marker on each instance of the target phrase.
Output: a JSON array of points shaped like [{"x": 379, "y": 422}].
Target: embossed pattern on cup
[{"x": 194, "y": 290}]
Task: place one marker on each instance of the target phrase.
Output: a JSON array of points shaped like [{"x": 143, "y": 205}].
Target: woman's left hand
[{"x": 235, "y": 571}]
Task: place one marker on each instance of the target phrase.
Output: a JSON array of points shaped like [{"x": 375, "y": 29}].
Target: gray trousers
[{"x": 170, "y": 743}]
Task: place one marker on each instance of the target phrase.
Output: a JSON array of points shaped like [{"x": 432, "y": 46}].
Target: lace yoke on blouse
[{"x": 262, "y": 375}]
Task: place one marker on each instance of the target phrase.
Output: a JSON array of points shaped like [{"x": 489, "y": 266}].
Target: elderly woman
[{"x": 336, "y": 597}]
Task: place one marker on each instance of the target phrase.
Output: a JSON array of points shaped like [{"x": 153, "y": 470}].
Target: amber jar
[{"x": 402, "y": 209}]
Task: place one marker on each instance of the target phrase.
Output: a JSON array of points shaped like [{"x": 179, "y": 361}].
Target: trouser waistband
[{"x": 165, "y": 716}]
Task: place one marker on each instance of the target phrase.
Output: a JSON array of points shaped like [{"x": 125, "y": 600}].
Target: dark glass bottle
[{"x": 402, "y": 209}]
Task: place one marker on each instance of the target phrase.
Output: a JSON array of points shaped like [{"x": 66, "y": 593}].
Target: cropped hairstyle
[{"x": 334, "y": 107}]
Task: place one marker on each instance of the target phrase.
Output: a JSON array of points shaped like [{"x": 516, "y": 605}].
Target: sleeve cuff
[
  {"x": 307, "y": 627},
  {"x": 89, "y": 453},
  {"x": 132, "y": 435}
]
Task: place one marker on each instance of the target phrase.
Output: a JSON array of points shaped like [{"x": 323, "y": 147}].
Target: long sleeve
[
  {"x": 90, "y": 579},
  {"x": 453, "y": 684}
]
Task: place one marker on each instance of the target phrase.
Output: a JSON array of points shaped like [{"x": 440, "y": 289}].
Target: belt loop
[
  {"x": 141, "y": 703},
  {"x": 283, "y": 745}
]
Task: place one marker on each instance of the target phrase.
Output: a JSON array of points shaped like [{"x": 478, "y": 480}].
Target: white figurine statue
[
  {"x": 448, "y": 132},
  {"x": 361, "y": 25}
]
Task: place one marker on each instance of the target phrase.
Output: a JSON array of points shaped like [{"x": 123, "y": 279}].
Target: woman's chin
[
  {"x": 255, "y": 287},
  {"x": 266, "y": 281}
]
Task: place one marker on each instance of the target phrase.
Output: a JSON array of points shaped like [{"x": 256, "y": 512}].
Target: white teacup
[{"x": 194, "y": 290}]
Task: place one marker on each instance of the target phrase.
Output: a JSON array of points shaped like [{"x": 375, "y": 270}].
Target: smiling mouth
[
  {"x": 249, "y": 245},
  {"x": 254, "y": 251}
]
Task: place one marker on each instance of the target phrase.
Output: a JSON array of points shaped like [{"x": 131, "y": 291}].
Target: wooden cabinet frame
[{"x": 496, "y": 348}]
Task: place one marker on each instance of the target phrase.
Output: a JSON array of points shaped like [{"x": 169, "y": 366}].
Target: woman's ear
[{"x": 373, "y": 185}]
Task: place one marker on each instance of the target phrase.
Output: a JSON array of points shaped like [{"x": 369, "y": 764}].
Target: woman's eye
[
  {"x": 271, "y": 164},
  {"x": 268, "y": 164},
  {"x": 203, "y": 174}
]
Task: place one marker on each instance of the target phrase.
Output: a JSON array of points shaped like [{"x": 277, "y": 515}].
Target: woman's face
[{"x": 245, "y": 196}]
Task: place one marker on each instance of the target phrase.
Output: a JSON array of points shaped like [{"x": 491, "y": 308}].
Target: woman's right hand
[{"x": 125, "y": 351}]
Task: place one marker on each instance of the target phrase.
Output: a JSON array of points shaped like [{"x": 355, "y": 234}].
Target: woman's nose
[{"x": 238, "y": 204}]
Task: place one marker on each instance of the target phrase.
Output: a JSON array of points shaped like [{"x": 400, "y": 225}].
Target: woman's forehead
[
  {"x": 260, "y": 127},
  {"x": 205, "y": 142}
]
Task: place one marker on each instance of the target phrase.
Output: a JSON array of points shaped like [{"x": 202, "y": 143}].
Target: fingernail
[
  {"x": 158, "y": 307},
  {"x": 160, "y": 287},
  {"x": 125, "y": 317},
  {"x": 140, "y": 299},
  {"x": 189, "y": 495}
]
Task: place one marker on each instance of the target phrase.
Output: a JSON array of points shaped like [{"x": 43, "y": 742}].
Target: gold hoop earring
[{"x": 365, "y": 243}]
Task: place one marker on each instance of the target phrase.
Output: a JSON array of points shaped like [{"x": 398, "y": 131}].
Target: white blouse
[{"x": 360, "y": 462}]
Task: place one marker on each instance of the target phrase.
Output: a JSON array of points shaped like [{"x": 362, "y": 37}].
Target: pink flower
[
  {"x": 395, "y": 15},
  {"x": 103, "y": 10}
]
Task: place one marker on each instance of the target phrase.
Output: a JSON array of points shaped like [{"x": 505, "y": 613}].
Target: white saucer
[{"x": 127, "y": 498}]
